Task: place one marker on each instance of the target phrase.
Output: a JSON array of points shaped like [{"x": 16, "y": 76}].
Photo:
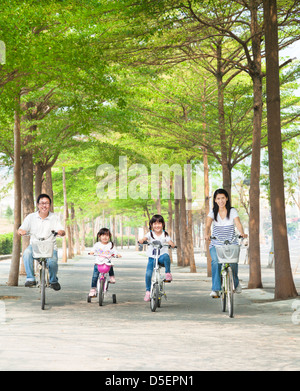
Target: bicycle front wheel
[
  {"x": 154, "y": 297},
  {"x": 101, "y": 292},
  {"x": 223, "y": 292},
  {"x": 230, "y": 292},
  {"x": 43, "y": 285}
]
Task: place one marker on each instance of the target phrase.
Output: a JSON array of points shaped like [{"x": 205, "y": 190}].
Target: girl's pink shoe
[
  {"x": 93, "y": 292},
  {"x": 147, "y": 296},
  {"x": 112, "y": 279},
  {"x": 168, "y": 277}
]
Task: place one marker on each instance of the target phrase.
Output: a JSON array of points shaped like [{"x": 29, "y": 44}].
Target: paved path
[{"x": 188, "y": 333}]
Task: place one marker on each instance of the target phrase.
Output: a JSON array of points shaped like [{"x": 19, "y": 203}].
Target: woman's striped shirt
[{"x": 223, "y": 229}]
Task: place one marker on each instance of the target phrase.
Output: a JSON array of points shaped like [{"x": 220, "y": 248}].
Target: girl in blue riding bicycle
[{"x": 157, "y": 232}]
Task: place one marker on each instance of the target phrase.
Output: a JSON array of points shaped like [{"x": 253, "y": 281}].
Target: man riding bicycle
[{"x": 41, "y": 224}]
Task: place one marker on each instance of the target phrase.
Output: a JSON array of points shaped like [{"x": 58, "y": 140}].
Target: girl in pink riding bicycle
[{"x": 104, "y": 249}]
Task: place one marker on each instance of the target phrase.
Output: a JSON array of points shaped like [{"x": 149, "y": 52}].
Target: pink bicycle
[{"x": 103, "y": 266}]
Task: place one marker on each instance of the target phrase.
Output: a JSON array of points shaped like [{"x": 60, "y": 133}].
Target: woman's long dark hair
[
  {"x": 216, "y": 206},
  {"x": 154, "y": 219},
  {"x": 105, "y": 231}
]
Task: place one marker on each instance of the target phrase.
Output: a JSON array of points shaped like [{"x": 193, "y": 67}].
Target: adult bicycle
[
  {"x": 103, "y": 264},
  {"x": 42, "y": 249},
  {"x": 157, "y": 291},
  {"x": 228, "y": 254}
]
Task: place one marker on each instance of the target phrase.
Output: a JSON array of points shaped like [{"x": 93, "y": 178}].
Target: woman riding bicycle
[{"x": 224, "y": 219}]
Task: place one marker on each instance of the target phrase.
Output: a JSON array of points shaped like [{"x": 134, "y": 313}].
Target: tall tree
[
  {"x": 284, "y": 284},
  {"x": 15, "y": 261}
]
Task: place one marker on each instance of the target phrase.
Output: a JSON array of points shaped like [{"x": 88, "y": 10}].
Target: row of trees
[{"x": 158, "y": 82}]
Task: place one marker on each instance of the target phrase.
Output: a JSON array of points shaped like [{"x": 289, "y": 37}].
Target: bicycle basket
[
  {"x": 228, "y": 253},
  {"x": 42, "y": 249}
]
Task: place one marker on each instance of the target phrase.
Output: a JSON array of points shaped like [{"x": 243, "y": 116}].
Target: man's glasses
[{"x": 44, "y": 203}]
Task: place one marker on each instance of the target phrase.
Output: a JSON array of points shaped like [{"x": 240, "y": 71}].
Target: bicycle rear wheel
[
  {"x": 230, "y": 292},
  {"x": 43, "y": 285}
]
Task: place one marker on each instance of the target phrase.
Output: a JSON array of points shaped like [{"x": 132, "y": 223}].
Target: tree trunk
[
  {"x": 177, "y": 222},
  {"x": 77, "y": 237},
  {"x": 221, "y": 120},
  {"x": 284, "y": 284},
  {"x": 47, "y": 187},
  {"x": 183, "y": 228},
  {"x": 254, "y": 193},
  {"x": 82, "y": 234},
  {"x": 69, "y": 233},
  {"x": 206, "y": 183},
  {"x": 13, "y": 278},
  {"x": 27, "y": 195},
  {"x": 170, "y": 225},
  {"x": 38, "y": 180},
  {"x": 189, "y": 236},
  {"x": 71, "y": 227},
  {"x": 206, "y": 201},
  {"x": 64, "y": 254}
]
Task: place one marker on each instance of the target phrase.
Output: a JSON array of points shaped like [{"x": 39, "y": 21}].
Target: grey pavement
[{"x": 188, "y": 333}]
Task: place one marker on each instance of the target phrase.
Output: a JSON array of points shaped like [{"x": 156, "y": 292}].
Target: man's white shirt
[{"x": 42, "y": 228}]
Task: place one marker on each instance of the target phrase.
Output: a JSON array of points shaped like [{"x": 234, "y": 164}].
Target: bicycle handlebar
[
  {"x": 228, "y": 241},
  {"x": 152, "y": 243},
  {"x": 54, "y": 233},
  {"x": 102, "y": 256}
]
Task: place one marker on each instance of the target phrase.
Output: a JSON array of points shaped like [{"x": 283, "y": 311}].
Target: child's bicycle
[
  {"x": 157, "y": 281},
  {"x": 228, "y": 253},
  {"x": 104, "y": 266},
  {"x": 42, "y": 249}
]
